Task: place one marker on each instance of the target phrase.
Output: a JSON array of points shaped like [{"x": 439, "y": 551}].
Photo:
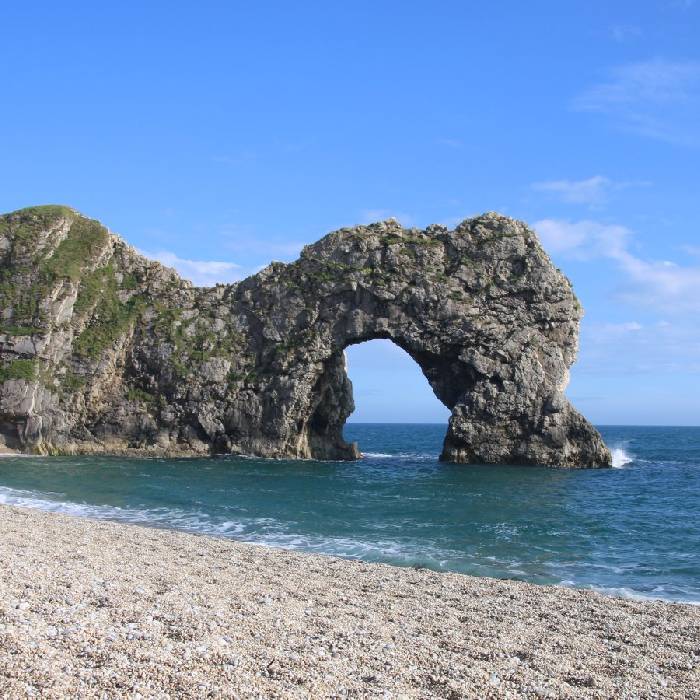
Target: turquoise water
[{"x": 633, "y": 530}]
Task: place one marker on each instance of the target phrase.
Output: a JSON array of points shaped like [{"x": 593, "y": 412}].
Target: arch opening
[{"x": 391, "y": 386}]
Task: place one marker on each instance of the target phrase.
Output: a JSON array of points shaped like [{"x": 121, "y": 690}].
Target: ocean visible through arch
[{"x": 632, "y": 530}]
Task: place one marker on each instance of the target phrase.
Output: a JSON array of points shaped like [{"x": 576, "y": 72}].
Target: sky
[{"x": 217, "y": 136}]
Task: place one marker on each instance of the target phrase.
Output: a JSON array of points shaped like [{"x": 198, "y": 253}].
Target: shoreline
[
  {"x": 93, "y": 608},
  {"x": 624, "y": 594}
]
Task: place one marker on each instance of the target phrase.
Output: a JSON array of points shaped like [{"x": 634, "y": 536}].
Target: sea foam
[{"x": 620, "y": 458}]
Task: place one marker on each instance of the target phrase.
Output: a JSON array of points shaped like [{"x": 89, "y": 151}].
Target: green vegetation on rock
[
  {"x": 47, "y": 212},
  {"x": 19, "y": 330},
  {"x": 99, "y": 296},
  {"x": 84, "y": 241},
  {"x": 25, "y": 225},
  {"x": 111, "y": 319},
  {"x": 30, "y": 274},
  {"x": 136, "y": 394},
  {"x": 19, "y": 369},
  {"x": 71, "y": 381}
]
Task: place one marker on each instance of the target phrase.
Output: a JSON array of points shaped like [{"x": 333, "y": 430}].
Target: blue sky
[{"x": 219, "y": 136}]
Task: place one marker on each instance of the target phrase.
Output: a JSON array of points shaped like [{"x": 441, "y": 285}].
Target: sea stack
[{"x": 104, "y": 351}]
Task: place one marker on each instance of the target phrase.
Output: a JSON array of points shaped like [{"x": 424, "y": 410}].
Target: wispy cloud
[
  {"x": 654, "y": 349},
  {"x": 451, "y": 143},
  {"x": 635, "y": 348},
  {"x": 252, "y": 247},
  {"x": 591, "y": 191},
  {"x": 615, "y": 330},
  {"x": 650, "y": 283},
  {"x": 656, "y": 98},
  {"x": 625, "y": 32},
  {"x": 657, "y": 81},
  {"x": 582, "y": 240},
  {"x": 661, "y": 284},
  {"x": 274, "y": 249},
  {"x": 202, "y": 273}
]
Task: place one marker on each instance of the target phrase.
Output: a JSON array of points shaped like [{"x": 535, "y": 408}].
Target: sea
[{"x": 632, "y": 531}]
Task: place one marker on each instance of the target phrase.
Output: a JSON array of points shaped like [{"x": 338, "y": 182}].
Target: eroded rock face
[{"x": 105, "y": 351}]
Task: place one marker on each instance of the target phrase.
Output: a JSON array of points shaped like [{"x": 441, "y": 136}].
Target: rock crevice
[{"x": 105, "y": 351}]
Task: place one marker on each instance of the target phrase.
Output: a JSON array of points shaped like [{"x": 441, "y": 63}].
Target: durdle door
[{"x": 105, "y": 351}]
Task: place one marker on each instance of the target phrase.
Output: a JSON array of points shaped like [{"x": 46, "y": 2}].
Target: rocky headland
[{"x": 102, "y": 350}]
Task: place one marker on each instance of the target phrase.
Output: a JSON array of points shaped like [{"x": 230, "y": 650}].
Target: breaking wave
[{"x": 620, "y": 457}]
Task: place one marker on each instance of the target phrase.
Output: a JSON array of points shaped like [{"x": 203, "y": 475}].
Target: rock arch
[
  {"x": 482, "y": 311},
  {"x": 257, "y": 367}
]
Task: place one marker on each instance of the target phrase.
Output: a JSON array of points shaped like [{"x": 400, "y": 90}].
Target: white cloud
[
  {"x": 660, "y": 283},
  {"x": 618, "y": 329},
  {"x": 202, "y": 273},
  {"x": 656, "y": 98},
  {"x": 657, "y": 81},
  {"x": 633, "y": 348},
  {"x": 590, "y": 191},
  {"x": 582, "y": 240},
  {"x": 656, "y": 283}
]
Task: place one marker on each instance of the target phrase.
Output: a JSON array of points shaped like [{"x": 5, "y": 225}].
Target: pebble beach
[{"x": 94, "y": 609}]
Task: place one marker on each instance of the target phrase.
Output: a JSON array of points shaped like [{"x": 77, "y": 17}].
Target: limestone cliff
[{"x": 103, "y": 350}]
